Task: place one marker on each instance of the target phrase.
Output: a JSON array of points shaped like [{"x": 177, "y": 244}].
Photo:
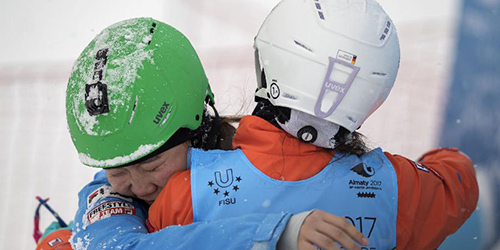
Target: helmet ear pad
[
  {"x": 305, "y": 127},
  {"x": 311, "y": 129}
]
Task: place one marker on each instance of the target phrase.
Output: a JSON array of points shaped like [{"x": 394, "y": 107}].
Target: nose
[{"x": 143, "y": 189}]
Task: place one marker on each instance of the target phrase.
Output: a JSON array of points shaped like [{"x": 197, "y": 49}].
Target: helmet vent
[
  {"x": 133, "y": 110},
  {"x": 387, "y": 28},
  {"x": 379, "y": 74},
  {"x": 319, "y": 9},
  {"x": 152, "y": 31},
  {"x": 302, "y": 46}
]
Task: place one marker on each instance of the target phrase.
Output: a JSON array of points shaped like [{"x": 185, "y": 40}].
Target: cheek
[
  {"x": 168, "y": 170},
  {"x": 161, "y": 177},
  {"x": 120, "y": 185}
]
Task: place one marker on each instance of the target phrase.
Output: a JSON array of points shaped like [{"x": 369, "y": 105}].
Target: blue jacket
[{"x": 107, "y": 220}]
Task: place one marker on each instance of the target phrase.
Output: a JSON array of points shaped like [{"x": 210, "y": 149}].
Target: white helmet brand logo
[
  {"x": 335, "y": 87},
  {"x": 164, "y": 108},
  {"x": 96, "y": 93}
]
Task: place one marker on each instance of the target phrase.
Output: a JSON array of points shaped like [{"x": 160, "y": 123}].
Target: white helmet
[{"x": 334, "y": 59}]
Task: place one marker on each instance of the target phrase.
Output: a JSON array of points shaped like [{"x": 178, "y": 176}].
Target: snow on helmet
[
  {"x": 334, "y": 59},
  {"x": 136, "y": 84}
]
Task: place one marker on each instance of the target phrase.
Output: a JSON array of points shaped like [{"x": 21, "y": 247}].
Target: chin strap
[
  {"x": 213, "y": 134},
  {"x": 261, "y": 78},
  {"x": 207, "y": 134}
]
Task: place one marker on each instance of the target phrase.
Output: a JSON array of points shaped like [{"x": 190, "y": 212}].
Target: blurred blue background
[{"x": 473, "y": 117}]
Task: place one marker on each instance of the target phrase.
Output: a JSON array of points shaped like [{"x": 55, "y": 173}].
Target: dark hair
[
  {"x": 350, "y": 143},
  {"x": 346, "y": 142},
  {"x": 215, "y": 132},
  {"x": 226, "y": 132}
]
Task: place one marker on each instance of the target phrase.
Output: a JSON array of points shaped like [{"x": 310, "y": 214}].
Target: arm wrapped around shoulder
[{"x": 436, "y": 195}]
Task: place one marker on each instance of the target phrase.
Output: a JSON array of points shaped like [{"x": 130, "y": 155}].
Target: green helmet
[{"x": 136, "y": 84}]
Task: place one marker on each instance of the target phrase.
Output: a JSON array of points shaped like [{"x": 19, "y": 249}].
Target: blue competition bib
[{"x": 363, "y": 189}]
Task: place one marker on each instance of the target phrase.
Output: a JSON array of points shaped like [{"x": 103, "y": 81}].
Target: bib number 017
[{"x": 363, "y": 223}]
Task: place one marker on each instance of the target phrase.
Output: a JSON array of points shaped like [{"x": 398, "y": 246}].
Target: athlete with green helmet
[{"x": 136, "y": 91}]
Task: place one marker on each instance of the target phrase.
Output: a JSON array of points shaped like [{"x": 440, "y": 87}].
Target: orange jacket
[{"x": 431, "y": 205}]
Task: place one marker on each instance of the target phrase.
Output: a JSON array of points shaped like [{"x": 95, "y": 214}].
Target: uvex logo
[
  {"x": 335, "y": 87},
  {"x": 161, "y": 113}
]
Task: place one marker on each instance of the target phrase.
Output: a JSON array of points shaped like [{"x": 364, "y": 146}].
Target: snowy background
[{"x": 41, "y": 39}]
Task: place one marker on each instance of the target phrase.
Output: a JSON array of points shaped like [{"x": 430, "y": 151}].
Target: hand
[{"x": 324, "y": 230}]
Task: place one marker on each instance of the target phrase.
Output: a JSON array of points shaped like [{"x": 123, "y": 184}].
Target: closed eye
[
  {"x": 118, "y": 174},
  {"x": 153, "y": 169}
]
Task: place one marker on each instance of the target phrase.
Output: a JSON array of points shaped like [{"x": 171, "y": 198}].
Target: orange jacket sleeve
[
  {"x": 173, "y": 206},
  {"x": 435, "y": 197}
]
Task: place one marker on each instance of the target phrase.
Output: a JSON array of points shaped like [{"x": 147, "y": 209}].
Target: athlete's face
[{"x": 146, "y": 179}]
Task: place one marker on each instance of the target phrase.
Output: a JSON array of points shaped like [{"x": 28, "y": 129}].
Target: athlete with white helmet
[{"x": 324, "y": 67}]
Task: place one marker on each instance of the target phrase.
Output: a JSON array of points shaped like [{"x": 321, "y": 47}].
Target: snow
[
  {"x": 141, "y": 151},
  {"x": 120, "y": 73},
  {"x": 80, "y": 244}
]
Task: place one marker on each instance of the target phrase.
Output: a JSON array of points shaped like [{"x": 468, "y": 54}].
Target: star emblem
[
  {"x": 235, "y": 188},
  {"x": 216, "y": 191},
  {"x": 226, "y": 194},
  {"x": 210, "y": 183},
  {"x": 238, "y": 178}
]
